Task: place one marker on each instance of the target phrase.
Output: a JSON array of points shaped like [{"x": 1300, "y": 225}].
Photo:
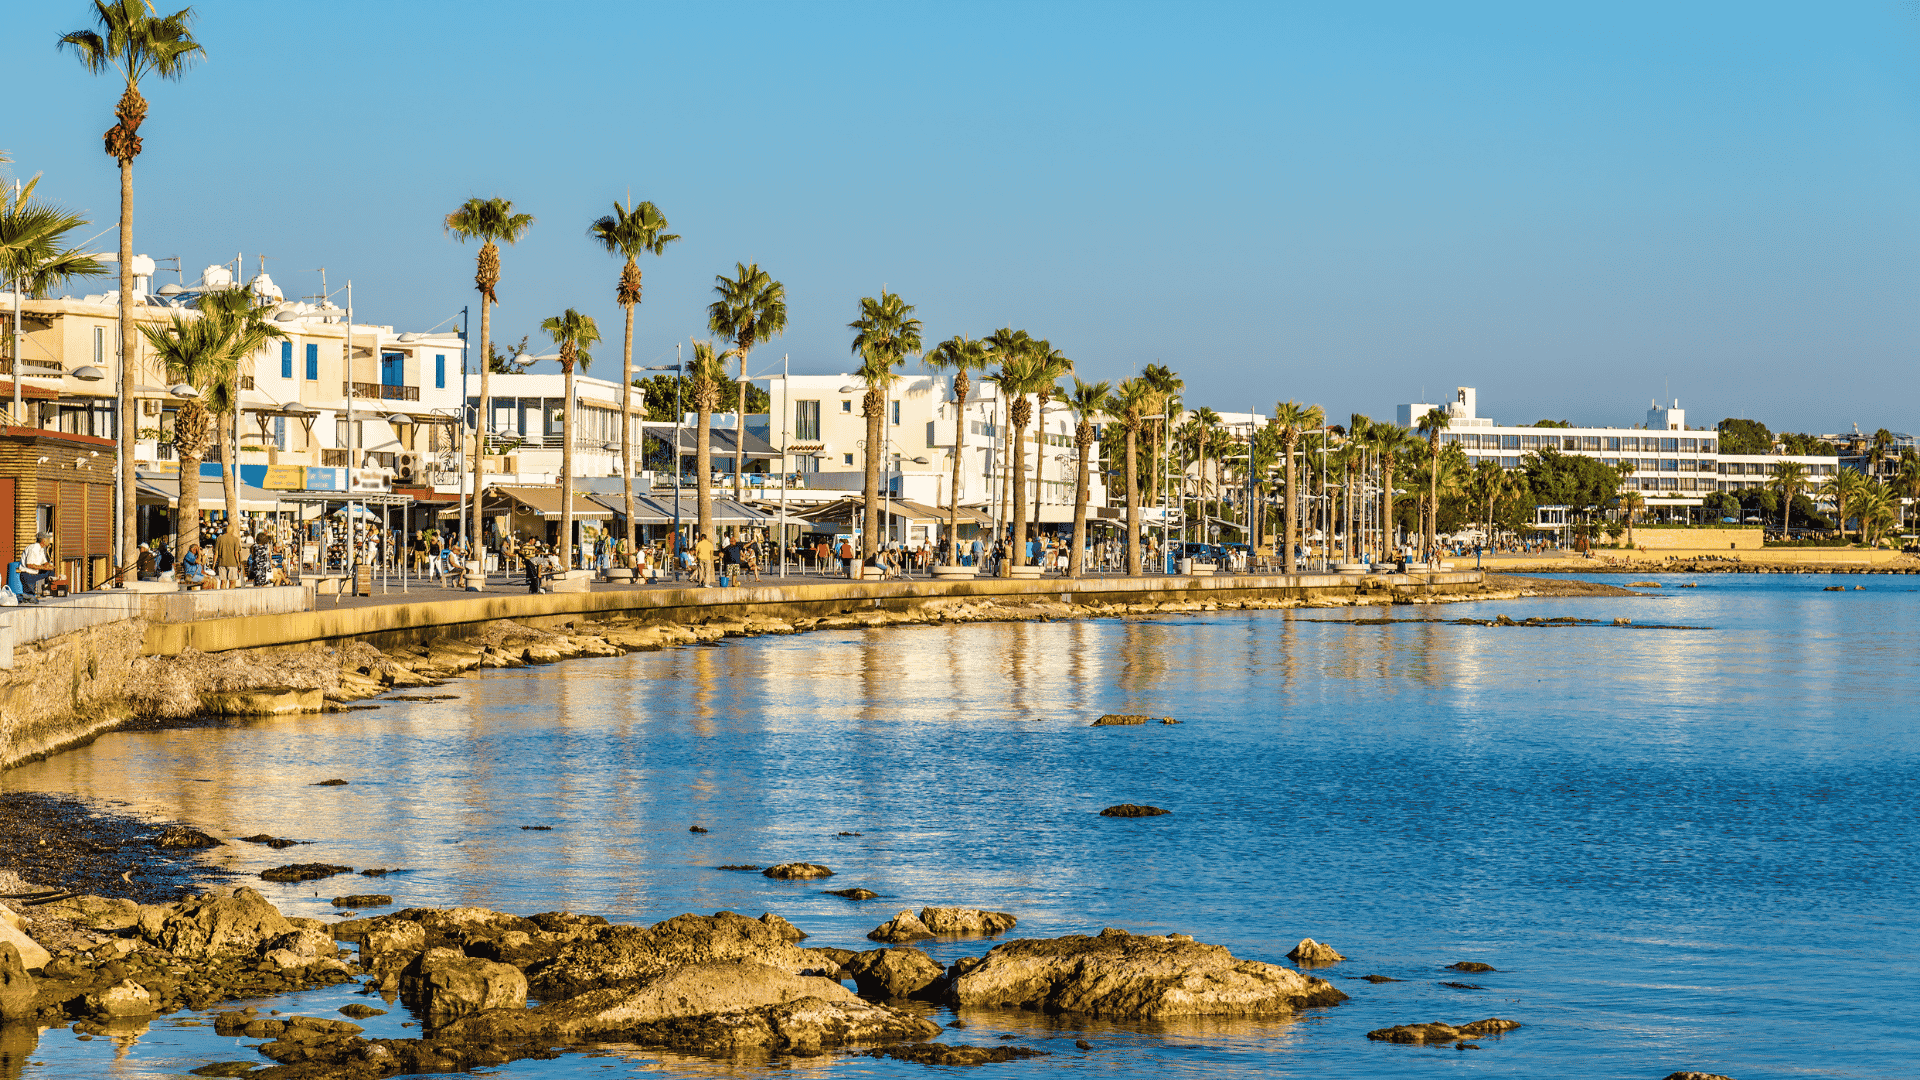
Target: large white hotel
[{"x": 1675, "y": 466}]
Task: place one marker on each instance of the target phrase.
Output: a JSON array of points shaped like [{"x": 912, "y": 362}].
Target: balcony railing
[
  {"x": 42, "y": 367},
  {"x": 381, "y": 391}
]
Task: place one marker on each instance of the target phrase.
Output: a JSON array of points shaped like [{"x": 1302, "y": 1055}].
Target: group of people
[{"x": 233, "y": 560}]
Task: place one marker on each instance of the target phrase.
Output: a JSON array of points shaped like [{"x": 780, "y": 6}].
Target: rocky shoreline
[{"x": 722, "y": 984}]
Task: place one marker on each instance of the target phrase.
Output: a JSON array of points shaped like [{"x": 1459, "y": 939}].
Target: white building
[
  {"x": 528, "y": 426},
  {"x": 1674, "y": 465}
]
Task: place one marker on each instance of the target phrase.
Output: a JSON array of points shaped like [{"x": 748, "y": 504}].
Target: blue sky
[{"x": 1574, "y": 208}]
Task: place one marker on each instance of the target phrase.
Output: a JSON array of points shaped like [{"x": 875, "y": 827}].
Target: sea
[{"x": 1682, "y": 842}]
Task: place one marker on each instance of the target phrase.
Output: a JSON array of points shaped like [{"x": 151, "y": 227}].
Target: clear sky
[{"x": 1573, "y": 207}]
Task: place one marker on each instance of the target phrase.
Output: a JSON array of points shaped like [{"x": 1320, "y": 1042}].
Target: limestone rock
[
  {"x": 695, "y": 990},
  {"x": 950, "y": 920},
  {"x": 611, "y": 956},
  {"x": 1121, "y": 720},
  {"x": 1132, "y": 977},
  {"x": 31, "y": 954},
  {"x": 265, "y": 701},
  {"x": 1690, "y": 1075},
  {"x": 94, "y": 912},
  {"x": 851, "y": 894},
  {"x": 1310, "y": 952},
  {"x": 213, "y": 923},
  {"x": 1471, "y": 965},
  {"x": 903, "y": 927},
  {"x": 948, "y": 1056},
  {"x": 363, "y": 900},
  {"x": 893, "y": 973},
  {"x": 180, "y": 836},
  {"x": 1133, "y": 810},
  {"x": 797, "y": 870},
  {"x": 1438, "y": 1032},
  {"x": 787, "y": 931},
  {"x": 448, "y": 984},
  {"x": 304, "y": 945},
  {"x": 16, "y": 986},
  {"x": 124, "y": 998},
  {"x": 393, "y": 939},
  {"x": 311, "y": 871}
]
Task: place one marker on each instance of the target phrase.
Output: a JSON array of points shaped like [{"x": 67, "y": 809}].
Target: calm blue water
[{"x": 1682, "y": 849}]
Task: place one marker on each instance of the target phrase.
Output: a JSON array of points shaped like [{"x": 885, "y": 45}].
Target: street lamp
[{"x": 678, "y": 367}]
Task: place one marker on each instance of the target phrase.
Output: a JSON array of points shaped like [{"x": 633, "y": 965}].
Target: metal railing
[
  {"x": 381, "y": 391},
  {"x": 52, "y": 366}
]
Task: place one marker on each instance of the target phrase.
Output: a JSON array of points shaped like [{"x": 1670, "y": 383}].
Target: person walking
[
  {"x": 227, "y": 559},
  {"x": 846, "y": 558},
  {"x": 703, "y": 561}
]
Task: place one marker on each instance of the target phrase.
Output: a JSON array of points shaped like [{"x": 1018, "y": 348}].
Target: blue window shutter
[
  {"x": 313, "y": 363},
  {"x": 440, "y": 371},
  {"x": 286, "y": 359}
]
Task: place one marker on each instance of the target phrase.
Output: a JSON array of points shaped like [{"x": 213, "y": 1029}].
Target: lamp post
[{"x": 679, "y": 383}]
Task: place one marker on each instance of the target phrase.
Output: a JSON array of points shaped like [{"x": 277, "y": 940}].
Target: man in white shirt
[{"x": 36, "y": 566}]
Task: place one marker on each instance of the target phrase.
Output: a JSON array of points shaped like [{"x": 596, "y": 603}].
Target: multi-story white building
[
  {"x": 528, "y": 426},
  {"x": 1673, "y": 465},
  {"x": 816, "y": 420}
]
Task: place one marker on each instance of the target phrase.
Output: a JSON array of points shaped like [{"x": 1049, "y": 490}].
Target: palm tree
[
  {"x": 1431, "y": 425},
  {"x": 242, "y": 318},
  {"x": 573, "y": 332},
  {"x": 1006, "y": 347},
  {"x": 960, "y": 354},
  {"x": 1874, "y": 504},
  {"x": 1294, "y": 420},
  {"x": 34, "y": 257},
  {"x": 752, "y": 309},
  {"x": 1396, "y": 446},
  {"x": 1630, "y": 506},
  {"x": 1166, "y": 387},
  {"x": 1843, "y": 487},
  {"x": 885, "y": 334},
  {"x": 1088, "y": 401},
  {"x": 133, "y": 41},
  {"x": 1882, "y": 441},
  {"x": 195, "y": 352},
  {"x": 1049, "y": 366},
  {"x": 1907, "y": 480},
  {"x": 1787, "y": 478},
  {"x": 1130, "y": 404},
  {"x": 630, "y": 231},
  {"x": 489, "y": 221},
  {"x": 706, "y": 374}
]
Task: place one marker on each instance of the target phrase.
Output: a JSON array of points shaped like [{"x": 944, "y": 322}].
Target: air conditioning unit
[
  {"x": 150, "y": 408},
  {"x": 406, "y": 468}
]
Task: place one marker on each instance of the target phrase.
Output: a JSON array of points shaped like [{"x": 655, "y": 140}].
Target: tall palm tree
[
  {"x": 492, "y": 222},
  {"x": 1631, "y": 504},
  {"x": 884, "y": 335},
  {"x": 1431, "y": 425},
  {"x": 1843, "y": 487},
  {"x": 630, "y": 232},
  {"x": 1130, "y": 405},
  {"x": 1873, "y": 507},
  {"x": 1088, "y": 401},
  {"x": 1049, "y": 366},
  {"x": 573, "y": 332},
  {"x": 1016, "y": 379},
  {"x": 133, "y": 41},
  {"x": 1787, "y": 478},
  {"x": 1395, "y": 445},
  {"x": 707, "y": 375},
  {"x": 1166, "y": 386},
  {"x": 1360, "y": 446},
  {"x": 195, "y": 352},
  {"x": 1882, "y": 441},
  {"x": 1294, "y": 420},
  {"x": 242, "y": 317},
  {"x": 752, "y": 309},
  {"x": 1007, "y": 347},
  {"x": 959, "y": 354}
]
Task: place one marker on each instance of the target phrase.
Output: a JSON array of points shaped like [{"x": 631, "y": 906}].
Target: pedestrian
[
  {"x": 227, "y": 559},
  {"x": 260, "y": 561},
  {"x": 846, "y": 557},
  {"x": 703, "y": 561}
]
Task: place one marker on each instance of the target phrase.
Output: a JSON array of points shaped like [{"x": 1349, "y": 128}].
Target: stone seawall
[{"x": 64, "y": 691}]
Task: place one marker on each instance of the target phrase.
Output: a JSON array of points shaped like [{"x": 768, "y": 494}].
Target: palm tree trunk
[
  {"x": 1039, "y": 466},
  {"x": 959, "y": 439},
  {"x": 1433, "y": 502},
  {"x": 129, "y": 426},
  {"x": 740, "y": 430},
  {"x": 703, "y": 468},
  {"x": 876, "y": 407},
  {"x": 1133, "y": 503},
  {"x": 626, "y": 435},
  {"x": 1017, "y": 550},
  {"x": 566, "y": 478},
  {"x": 230, "y": 459},
  {"x": 474, "y": 539},
  {"x": 1291, "y": 511},
  {"x": 1079, "y": 509},
  {"x": 187, "y": 516}
]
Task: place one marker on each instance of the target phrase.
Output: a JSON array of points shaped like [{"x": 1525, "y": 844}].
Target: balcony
[
  {"x": 34, "y": 367},
  {"x": 381, "y": 391}
]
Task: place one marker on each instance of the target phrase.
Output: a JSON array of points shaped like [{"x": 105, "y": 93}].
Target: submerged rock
[
  {"x": 1381, "y": 978},
  {"x": 902, "y": 928},
  {"x": 1121, "y": 720},
  {"x": 363, "y": 900},
  {"x": 946, "y": 1056},
  {"x": 893, "y": 973},
  {"x": 1438, "y": 1032},
  {"x": 1133, "y": 977},
  {"x": 1689, "y": 1075},
  {"x": 275, "y": 842},
  {"x": 310, "y": 871},
  {"x": 180, "y": 836},
  {"x": 797, "y": 871},
  {"x": 1310, "y": 952},
  {"x": 1470, "y": 965},
  {"x": 851, "y": 894},
  {"x": 952, "y": 920},
  {"x": 1133, "y": 810}
]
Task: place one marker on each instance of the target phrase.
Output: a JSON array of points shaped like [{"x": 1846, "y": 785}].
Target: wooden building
[{"x": 61, "y": 482}]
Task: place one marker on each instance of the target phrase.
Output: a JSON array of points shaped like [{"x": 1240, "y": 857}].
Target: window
[
  {"x": 846, "y": 459},
  {"x": 1690, "y": 445},
  {"x": 1509, "y": 442},
  {"x": 1706, "y": 446},
  {"x": 286, "y": 362},
  {"x": 99, "y": 345},
  {"x": 439, "y": 371},
  {"x": 846, "y": 406},
  {"x": 896, "y": 413},
  {"x": 1611, "y": 444},
  {"x": 1670, "y": 445},
  {"x": 280, "y": 422},
  {"x": 930, "y": 443},
  {"x": 1630, "y": 443},
  {"x": 393, "y": 369},
  {"x": 1530, "y": 442},
  {"x": 1571, "y": 442},
  {"x": 1669, "y": 464},
  {"x": 807, "y": 464},
  {"x": 313, "y": 363},
  {"x": 1590, "y": 442},
  {"x": 1509, "y": 462},
  {"x": 806, "y": 421}
]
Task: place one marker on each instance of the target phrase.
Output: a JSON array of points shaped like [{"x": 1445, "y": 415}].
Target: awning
[
  {"x": 849, "y": 511},
  {"x": 651, "y": 510},
  {"x": 541, "y": 501},
  {"x": 720, "y": 444},
  {"x": 151, "y": 489}
]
